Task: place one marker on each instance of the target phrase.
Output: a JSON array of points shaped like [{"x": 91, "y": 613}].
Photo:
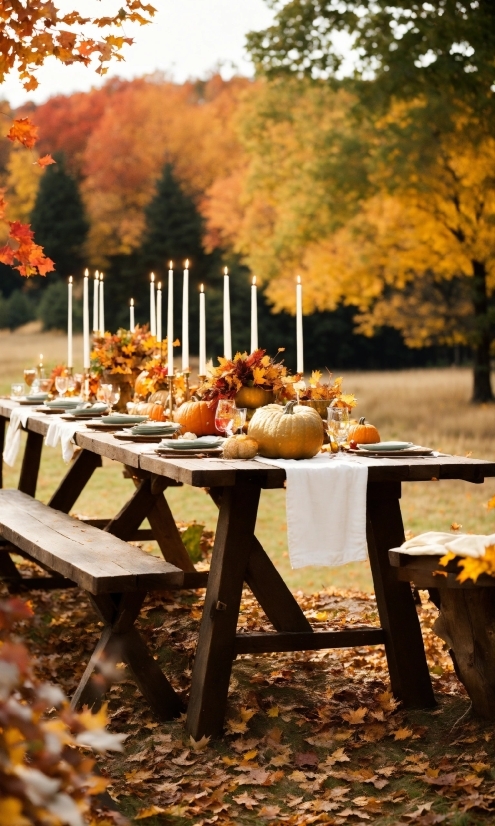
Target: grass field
[{"x": 429, "y": 407}]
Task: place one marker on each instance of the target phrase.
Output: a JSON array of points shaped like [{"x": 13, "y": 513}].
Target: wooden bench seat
[{"x": 117, "y": 577}]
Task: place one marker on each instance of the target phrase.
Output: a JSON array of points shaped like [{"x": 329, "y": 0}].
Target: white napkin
[
  {"x": 326, "y": 509},
  {"x": 60, "y": 431},
  {"x": 435, "y": 543},
  {"x": 18, "y": 419}
]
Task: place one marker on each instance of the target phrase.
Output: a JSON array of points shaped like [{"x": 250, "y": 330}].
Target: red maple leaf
[{"x": 46, "y": 160}]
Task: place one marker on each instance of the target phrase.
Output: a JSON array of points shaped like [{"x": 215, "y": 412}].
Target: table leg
[
  {"x": 216, "y": 643},
  {"x": 31, "y": 463},
  {"x": 75, "y": 480},
  {"x": 404, "y": 647},
  {"x": 3, "y": 426}
]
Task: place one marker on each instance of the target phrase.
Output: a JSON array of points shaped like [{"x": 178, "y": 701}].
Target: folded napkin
[
  {"x": 63, "y": 432},
  {"x": 147, "y": 427},
  {"x": 326, "y": 509},
  {"x": 18, "y": 419},
  {"x": 436, "y": 543}
]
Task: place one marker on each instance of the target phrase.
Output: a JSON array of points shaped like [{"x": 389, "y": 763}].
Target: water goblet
[
  {"x": 111, "y": 395},
  {"x": 239, "y": 420},
  {"x": 61, "y": 384},
  {"x": 17, "y": 390},
  {"x": 225, "y": 415},
  {"x": 338, "y": 424}
]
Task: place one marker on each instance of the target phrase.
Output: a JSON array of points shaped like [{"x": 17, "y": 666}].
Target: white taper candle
[
  {"x": 131, "y": 315},
  {"x": 170, "y": 320},
  {"x": 86, "y": 347},
  {"x": 227, "y": 335},
  {"x": 69, "y": 325},
  {"x": 202, "y": 332},
  {"x": 185, "y": 318},
  {"x": 299, "y": 328},
  {"x": 96, "y": 319},
  {"x": 102, "y": 307},
  {"x": 152, "y": 305},
  {"x": 254, "y": 316},
  {"x": 159, "y": 312}
]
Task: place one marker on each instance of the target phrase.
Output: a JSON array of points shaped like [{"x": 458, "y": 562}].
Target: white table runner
[{"x": 326, "y": 509}]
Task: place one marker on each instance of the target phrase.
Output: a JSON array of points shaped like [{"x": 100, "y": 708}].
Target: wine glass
[
  {"x": 30, "y": 375},
  {"x": 61, "y": 384},
  {"x": 338, "y": 424},
  {"x": 17, "y": 391},
  {"x": 239, "y": 419},
  {"x": 225, "y": 416},
  {"x": 111, "y": 395}
]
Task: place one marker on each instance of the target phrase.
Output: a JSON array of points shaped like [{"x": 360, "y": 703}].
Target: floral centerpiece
[
  {"x": 251, "y": 379},
  {"x": 316, "y": 393},
  {"x": 120, "y": 358}
]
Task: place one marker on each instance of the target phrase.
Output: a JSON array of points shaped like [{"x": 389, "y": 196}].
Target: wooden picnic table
[{"x": 238, "y": 557}]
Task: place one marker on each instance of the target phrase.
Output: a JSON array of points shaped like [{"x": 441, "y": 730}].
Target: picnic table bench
[{"x": 238, "y": 557}]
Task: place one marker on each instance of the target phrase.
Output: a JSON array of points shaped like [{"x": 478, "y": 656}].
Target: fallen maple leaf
[
  {"x": 24, "y": 131},
  {"x": 150, "y": 811},
  {"x": 46, "y": 160},
  {"x": 356, "y": 716},
  {"x": 308, "y": 758},
  {"x": 455, "y": 526},
  {"x": 269, "y": 811},
  {"x": 246, "y": 800},
  {"x": 402, "y": 733},
  {"x": 199, "y": 745},
  {"x": 273, "y": 711}
]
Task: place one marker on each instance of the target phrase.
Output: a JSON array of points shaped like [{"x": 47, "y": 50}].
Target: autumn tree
[
  {"x": 58, "y": 218},
  {"x": 422, "y": 84}
]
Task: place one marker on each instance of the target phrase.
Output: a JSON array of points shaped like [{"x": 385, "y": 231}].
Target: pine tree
[
  {"x": 173, "y": 227},
  {"x": 58, "y": 218}
]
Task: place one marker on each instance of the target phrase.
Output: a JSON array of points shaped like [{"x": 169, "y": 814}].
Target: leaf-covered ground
[{"x": 310, "y": 737}]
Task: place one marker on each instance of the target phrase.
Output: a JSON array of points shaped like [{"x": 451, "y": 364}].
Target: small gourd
[
  {"x": 197, "y": 417},
  {"x": 290, "y": 432},
  {"x": 363, "y": 433},
  {"x": 240, "y": 447},
  {"x": 159, "y": 396}
]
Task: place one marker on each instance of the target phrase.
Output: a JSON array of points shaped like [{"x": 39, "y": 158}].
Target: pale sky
[{"x": 187, "y": 39}]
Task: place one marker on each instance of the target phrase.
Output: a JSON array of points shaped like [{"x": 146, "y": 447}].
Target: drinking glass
[
  {"x": 239, "y": 420},
  {"x": 45, "y": 385},
  {"x": 111, "y": 395},
  {"x": 30, "y": 375},
  {"x": 338, "y": 424},
  {"x": 71, "y": 386},
  {"x": 17, "y": 391},
  {"x": 61, "y": 383},
  {"x": 225, "y": 416}
]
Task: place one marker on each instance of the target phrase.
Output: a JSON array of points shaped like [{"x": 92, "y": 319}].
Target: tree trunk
[
  {"x": 482, "y": 388},
  {"x": 467, "y": 624}
]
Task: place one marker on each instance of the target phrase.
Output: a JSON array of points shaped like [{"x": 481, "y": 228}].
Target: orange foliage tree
[{"x": 30, "y": 33}]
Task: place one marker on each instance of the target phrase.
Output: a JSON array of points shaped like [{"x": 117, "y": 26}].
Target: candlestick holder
[
  {"x": 187, "y": 392},
  {"x": 85, "y": 386},
  {"x": 171, "y": 380}
]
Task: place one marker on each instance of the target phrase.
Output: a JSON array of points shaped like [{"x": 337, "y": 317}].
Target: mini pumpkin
[
  {"x": 290, "y": 432},
  {"x": 363, "y": 433},
  {"x": 240, "y": 447},
  {"x": 159, "y": 396},
  {"x": 197, "y": 417}
]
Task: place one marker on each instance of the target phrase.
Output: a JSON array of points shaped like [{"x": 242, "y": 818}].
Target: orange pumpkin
[
  {"x": 363, "y": 433},
  {"x": 159, "y": 396},
  {"x": 156, "y": 411},
  {"x": 197, "y": 417}
]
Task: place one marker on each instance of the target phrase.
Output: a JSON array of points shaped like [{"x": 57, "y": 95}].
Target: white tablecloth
[
  {"x": 63, "y": 432},
  {"x": 435, "y": 543},
  {"x": 326, "y": 509},
  {"x": 18, "y": 419}
]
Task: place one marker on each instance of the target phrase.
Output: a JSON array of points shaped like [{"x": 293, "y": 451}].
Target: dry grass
[{"x": 428, "y": 407}]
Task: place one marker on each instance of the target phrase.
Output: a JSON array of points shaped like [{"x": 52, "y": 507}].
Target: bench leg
[
  {"x": 121, "y": 642},
  {"x": 409, "y": 675},
  {"x": 217, "y": 636}
]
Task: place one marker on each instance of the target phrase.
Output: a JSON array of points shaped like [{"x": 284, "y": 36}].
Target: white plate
[{"x": 387, "y": 446}]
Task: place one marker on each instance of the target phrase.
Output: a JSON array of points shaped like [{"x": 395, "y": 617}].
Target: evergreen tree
[
  {"x": 173, "y": 227},
  {"x": 58, "y": 218}
]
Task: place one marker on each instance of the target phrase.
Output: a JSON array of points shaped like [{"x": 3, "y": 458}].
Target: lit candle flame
[
  {"x": 101, "y": 276},
  {"x": 202, "y": 288},
  {"x": 41, "y": 356},
  {"x": 170, "y": 265},
  {"x": 132, "y": 302},
  {"x": 187, "y": 264},
  {"x": 152, "y": 276},
  {"x": 86, "y": 273},
  {"x": 298, "y": 279},
  {"x": 225, "y": 270},
  {"x": 70, "y": 279},
  {"x": 254, "y": 281},
  {"x": 159, "y": 285},
  {"x": 97, "y": 275}
]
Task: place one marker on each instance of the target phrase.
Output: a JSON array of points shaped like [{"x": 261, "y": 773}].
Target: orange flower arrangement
[
  {"x": 316, "y": 390},
  {"x": 124, "y": 353},
  {"x": 254, "y": 370}
]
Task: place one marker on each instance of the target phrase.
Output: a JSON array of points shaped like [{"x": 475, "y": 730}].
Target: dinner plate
[
  {"x": 29, "y": 400},
  {"x": 126, "y": 436},
  {"x": 377, "y": 447},
  {"x": 48, "y": 410},
  {"x": 102, "y": 424},
  {"x": 411, "y": 452},
  {"x": 193, "y": 444},
  {"x": 125, "y": 420},
  {"x": 189, "y": 454}
]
